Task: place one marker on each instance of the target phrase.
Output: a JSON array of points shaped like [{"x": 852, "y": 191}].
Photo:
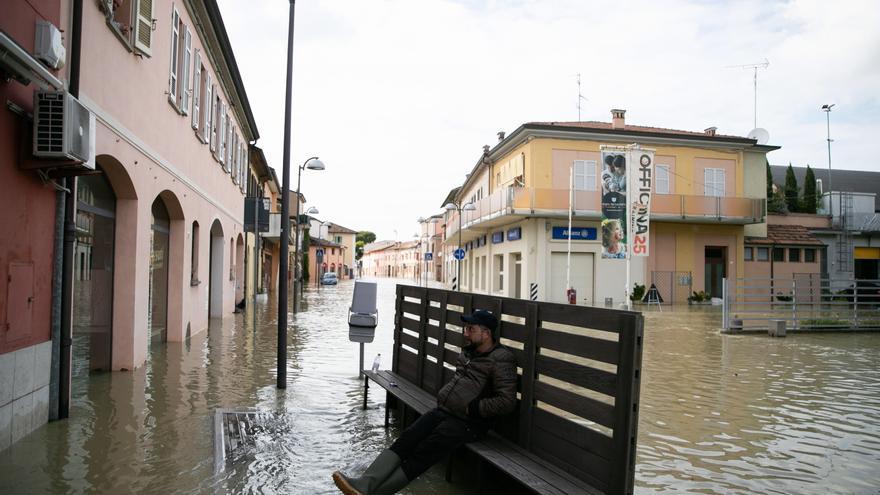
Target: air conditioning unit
[{"x": 63, "y": 129}]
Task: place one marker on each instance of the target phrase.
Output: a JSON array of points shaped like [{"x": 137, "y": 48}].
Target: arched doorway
[
  {"x": 160, "y": 233},
  {"x": 93, "y": 272},
  {"x": 215, "y": 261},
  {"x": 239, "y": 270}
]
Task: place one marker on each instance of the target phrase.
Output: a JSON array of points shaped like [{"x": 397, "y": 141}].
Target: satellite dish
[{"x": 760, "y": 135}]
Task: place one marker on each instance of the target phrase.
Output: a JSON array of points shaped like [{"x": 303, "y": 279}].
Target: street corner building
[
  {"x": 143, "y": 136},
  {"x": 695, "y": 197}
]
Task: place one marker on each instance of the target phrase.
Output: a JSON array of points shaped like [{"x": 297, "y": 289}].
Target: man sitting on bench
[{"x": 482, "y": 389}]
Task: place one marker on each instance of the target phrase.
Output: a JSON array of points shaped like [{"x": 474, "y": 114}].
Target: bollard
[
  {"x": 609, "y": 302},
  {"x": 777, "y": 328}
]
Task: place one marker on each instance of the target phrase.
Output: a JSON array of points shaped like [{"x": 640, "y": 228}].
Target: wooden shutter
[
  {"x": 210, "y": 111},
  {"x": 143, "y": 26},
  {"x": 197, "y": 88},
  {"x": 206, "y": 108},
  {"x": 221, "y": 133},
  {"x": 187, "y": 58},
  {"x": 175, "y": 55},
  {"x": 245, "y": 167}
]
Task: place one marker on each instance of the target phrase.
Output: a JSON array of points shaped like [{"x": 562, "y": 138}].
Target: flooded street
[{"x": 719, "y": 414}]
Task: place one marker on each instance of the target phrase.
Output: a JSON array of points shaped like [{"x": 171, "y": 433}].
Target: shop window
[
  {"x": 194, "y": 269},
  {"x": 809, "y": 255},
  {"x": 747, "y": 254},
  {"x": 778, "y": 254},
  {"x": 763, "y": 254},
  {"x": 794, "y": 254}
]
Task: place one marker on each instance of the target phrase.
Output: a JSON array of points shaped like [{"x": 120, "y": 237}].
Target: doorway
[
  {"x": 715, "y": 269},
  {"x": 215, "y": 284},
  {"x": 160, "y": 234},
  {"x": 93, "y": 269},
  {"x": 581, "y": 275}
]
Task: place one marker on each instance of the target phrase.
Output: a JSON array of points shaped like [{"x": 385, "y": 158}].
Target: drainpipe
[{"x": 69, "y": 234}]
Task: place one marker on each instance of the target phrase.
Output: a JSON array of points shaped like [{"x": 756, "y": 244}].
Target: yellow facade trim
[{"x": 867, "y": 253}]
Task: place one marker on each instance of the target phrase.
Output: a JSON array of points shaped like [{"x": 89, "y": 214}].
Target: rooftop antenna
[
  {"x": 754, "y": 67},
  {"x": 580, "y": 96}
]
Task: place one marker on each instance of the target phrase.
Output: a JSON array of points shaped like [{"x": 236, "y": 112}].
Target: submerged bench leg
[
  {"x": 386, "y": 409},
  {"x": 366, "y": 388}
]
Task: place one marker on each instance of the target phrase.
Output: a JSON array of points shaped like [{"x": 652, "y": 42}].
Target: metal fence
[
  {"x": 804, "y": 301},
  {"x": 674, "y": 287}
]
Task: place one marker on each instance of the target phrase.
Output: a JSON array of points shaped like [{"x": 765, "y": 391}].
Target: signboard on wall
[
  {"x": 514, "y": 234},
  {"x": 577, "y": 233},
  {"x": 498, "y": 237},
  {"x": 614, "y": 204},
  {"x": 642, "y": 179}
]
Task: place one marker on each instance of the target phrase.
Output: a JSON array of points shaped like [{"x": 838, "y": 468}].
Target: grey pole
[
  {"x": 827, "y": 109},
  {"x": 459, "y": 247},
  {"x": 285, "y": 215}
]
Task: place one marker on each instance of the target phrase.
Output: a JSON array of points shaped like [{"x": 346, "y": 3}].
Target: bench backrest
[{"x": 579, "y": 374}]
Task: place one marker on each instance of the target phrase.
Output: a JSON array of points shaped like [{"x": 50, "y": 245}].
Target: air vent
[{"x": 63, "y": 129}]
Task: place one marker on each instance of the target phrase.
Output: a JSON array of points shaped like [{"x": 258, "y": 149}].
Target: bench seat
[{"x": 526, "y": 468}]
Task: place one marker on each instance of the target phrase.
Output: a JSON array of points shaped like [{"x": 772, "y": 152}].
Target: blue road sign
[
  {"x": 319, "y": 253},
  {"x": 459, "y": 254},
  {"x": 429, "y": 256}
]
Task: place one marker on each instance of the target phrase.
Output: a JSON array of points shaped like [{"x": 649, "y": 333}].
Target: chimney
[
  {"x": 617, "y": 120},
  {"x": 500, "y": 136},
  {"x": 710, "y": 131}
]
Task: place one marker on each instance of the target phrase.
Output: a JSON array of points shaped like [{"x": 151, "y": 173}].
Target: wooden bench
[{"x": 575, "y": 426}]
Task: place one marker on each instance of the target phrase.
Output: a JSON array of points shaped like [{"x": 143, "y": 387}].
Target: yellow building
[{"x": 708, "y": 194}]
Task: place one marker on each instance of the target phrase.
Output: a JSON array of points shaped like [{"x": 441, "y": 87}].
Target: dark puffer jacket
[{"x": 483, "y": 387}]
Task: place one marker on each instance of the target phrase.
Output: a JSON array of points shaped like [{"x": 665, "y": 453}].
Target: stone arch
[
  {"x": 239, "y": 269},
  {"x": 176, "y": 263}
]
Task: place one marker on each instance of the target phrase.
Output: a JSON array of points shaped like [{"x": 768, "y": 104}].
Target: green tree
[
  {"x": 358, "y": 250},
  {"x": 769, "y": 182},
  {"x": 792, "y": 191},
  {"x": 775, "y": 201},
  {"x": 809, "y": 203},
  {"x": 366, "y": 236},
  {"x": 306, "y": 242}
]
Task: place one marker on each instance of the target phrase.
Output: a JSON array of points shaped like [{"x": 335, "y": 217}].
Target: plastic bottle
[{"x": 377, "y": 362}]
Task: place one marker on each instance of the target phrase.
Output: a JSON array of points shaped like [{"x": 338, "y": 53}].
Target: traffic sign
[
  {"x": 319, "y": 253},
  {"x": 429, "y": 256},
  {"x": 459, "y": 254}
]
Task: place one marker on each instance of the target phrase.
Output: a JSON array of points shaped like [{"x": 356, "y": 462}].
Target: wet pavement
[{"x": 719, "y": 413}]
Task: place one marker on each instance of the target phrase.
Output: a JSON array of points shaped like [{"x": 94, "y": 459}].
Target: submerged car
[{"x": 329, "y": 278}]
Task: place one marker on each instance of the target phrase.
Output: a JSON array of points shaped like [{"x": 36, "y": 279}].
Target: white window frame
[
  {"x": 207, "y": 108},
  {"x": 661, "y": 184},
  {"x": 183, "y": 90},
  {"x": 712, "y": 186},
  {"x": 585, "y": 175},
  {"x": 143, "y": 26}
]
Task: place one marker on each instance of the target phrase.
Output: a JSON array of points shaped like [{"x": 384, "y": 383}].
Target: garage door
[{"x": 581, "y": 277}]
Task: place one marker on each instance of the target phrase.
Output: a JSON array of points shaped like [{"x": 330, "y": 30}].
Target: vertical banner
[
  {"x": 641, "y": 188},
  {"x": 614, "y": 205}
]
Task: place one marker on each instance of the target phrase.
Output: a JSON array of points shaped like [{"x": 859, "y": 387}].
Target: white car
[{"x": 329, "y": 278}]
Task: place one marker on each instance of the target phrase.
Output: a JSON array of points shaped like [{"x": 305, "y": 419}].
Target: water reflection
[{"x": 719, "y": 414}]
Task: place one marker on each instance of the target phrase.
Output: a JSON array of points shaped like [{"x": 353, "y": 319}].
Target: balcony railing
[{"x": 525, "y": 201}]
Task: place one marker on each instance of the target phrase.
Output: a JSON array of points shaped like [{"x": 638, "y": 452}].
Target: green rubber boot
[
  {"x": 394, "y": 483},
  {"x": 383, "y": 466}
]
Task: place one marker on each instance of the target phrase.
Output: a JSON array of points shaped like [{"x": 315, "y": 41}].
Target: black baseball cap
[{"x": 482, "y": 317}]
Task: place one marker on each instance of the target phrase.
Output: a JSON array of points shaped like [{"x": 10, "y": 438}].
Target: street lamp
[
  {"x": 313, "y": 163},
  {"x": 827, "y": 110},
  {"x": 452, "y": 206}
]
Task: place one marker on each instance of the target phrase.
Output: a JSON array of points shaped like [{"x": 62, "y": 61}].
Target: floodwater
[{"x": 718, "y": 414}]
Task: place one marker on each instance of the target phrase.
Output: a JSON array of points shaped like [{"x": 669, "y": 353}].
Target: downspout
[{"x": 69, "y": 233}]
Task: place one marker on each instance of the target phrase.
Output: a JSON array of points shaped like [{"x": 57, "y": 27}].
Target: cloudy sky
[{"x": 398, "y": 97}]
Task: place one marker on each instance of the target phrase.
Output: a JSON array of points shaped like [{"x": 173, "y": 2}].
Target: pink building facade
[{"x": 160, "y": 244}]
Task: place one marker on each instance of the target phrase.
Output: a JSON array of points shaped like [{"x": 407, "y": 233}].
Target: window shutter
[
  {"x": 234, "y": 160},
  {"x": 175, "y": 54},
  {"x": 245, "y": 167},
  {"x": 229, "y": 148},
  {"x": 197, "y": 88},
  {"x": 143, "y": 26},
  {"x": 212, "y": 124},
  {"x": 187, "y": 58},
  {"x": 221, "y": 135},
  {"x": 206, "y": 109}
]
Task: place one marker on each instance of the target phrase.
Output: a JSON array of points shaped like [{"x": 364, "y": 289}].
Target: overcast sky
[{"x": 398, "y": 97}]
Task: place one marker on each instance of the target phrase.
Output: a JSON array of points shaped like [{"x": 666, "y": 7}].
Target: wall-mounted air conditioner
[{"x": 63, "y": 129}]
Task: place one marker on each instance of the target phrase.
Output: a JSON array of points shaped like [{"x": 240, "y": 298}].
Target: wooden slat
[
  {"x": 412, "y": 291},
  {"x": 582, "y": 376},
  {"x": 430, "y": 372},
  {"x": 423, "y": 340},
  {"x": 453, "y": 317},
  {"x": 403, "y": 390},
  {"x": 432, "y": 331},
  {"x": 518, "y": 353},
  {"x": 450, "y": 357},
  {"x": 627, "y": 403},
  {"x": 514, "y": 307},
  {"x": 408, "y": 365},
  {"x": 583, "y": 437},
  {"x": 434, "y": 313},
  {"x": 432, "y": 350},
  {"x": 513, "y": 331},
  {"x": 607, "y": 320},
  {"x": 409, "y": 324},
  {"x": 529, "y": 374},
  {"x": 395, "y": 358},
  {"x": 458, "y": 298},
  {"x": 409, "y": 340},
  {"x": 454, "y": 338},
  {"x": 571, "y": 459},
  {"x": 584, "y": 407},
  {"x": 411, "y": 307},
  {"x": 441, "y": 340},
  {"x": 605, "y": 351}
]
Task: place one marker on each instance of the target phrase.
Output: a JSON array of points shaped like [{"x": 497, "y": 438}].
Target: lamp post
[
  {"x": 453, "y": 206},
  {"x": 827, "y": 110},
  {"x": 313, "y": 163}
]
